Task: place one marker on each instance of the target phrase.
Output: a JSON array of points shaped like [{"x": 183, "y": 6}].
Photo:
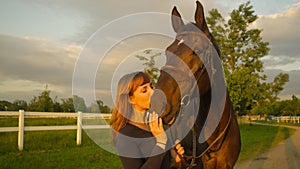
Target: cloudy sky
[{"x": 45, "y": 41}]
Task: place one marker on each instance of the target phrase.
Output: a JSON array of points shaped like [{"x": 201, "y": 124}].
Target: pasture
[{"x": 58, "y": 149}]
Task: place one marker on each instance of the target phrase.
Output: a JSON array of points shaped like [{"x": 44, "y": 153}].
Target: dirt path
[{"x": 286, "y": 155}]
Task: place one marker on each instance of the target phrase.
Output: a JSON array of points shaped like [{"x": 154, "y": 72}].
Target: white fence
[
  {"x": 21, "y": 128},
  {"x": 290, "y": 119},
  {"x": 279, "y": 119}
]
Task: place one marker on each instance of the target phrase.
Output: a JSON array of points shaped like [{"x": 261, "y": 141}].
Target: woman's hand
[
  {"x": 156, "y": 128},
  {"x": 156, "y": 125},
  {"x": 177, "y": 152}
]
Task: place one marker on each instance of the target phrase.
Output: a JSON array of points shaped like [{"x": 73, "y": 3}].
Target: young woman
[{"x": 139, "y": 135}]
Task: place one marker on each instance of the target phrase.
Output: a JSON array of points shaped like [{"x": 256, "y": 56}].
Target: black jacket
[{"x": 139, "y": 149}]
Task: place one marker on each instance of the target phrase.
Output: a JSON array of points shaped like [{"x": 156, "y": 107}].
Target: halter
[{"x": 185, "y": 101}]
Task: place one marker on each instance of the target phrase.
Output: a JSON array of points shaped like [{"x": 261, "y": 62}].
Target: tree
[
  {"x": 56, "y": 106},
  {"x": 241, "y": 51},
  {"x": 67, "y": 105},
  {"x": 42, "y": 103},
  {"x": 99, "y": 107},
  {"x": 282, "y": 108},
  {"x": 94, "y": 108},
  {"x": 292, "y": 107},
  {"x": 149, "y": 64},
  {"x": 5, "y": 105},
  {"x": 295, "y": 105},
  {"x": 103, "y": 108},
  {"x": 79, "y": 104},
  {"x": 19, "y": 105},
  {"x": 277, "y": 86}
]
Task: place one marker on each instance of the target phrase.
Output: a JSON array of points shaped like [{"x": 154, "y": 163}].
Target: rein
[
  {"x": 185, "y": 158},
  {"x": 194, "y": 156}
]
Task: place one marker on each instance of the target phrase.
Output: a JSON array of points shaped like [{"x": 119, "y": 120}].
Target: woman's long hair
[{"x": 122, "y": 108}]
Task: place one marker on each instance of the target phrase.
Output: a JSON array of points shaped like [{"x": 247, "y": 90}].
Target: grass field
[
  {"x": 58, "y": 149},
  {"x": 53, "y": 149}
]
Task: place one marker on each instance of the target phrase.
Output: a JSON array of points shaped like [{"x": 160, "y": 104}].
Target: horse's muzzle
[{"x": 158, "y": 102}]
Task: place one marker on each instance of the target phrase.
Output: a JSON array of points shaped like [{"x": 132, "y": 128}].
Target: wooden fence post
[
  {"x": 21, "y": 130},
  {"x": 79, "y": 128}
]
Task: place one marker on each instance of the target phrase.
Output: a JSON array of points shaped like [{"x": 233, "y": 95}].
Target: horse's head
[{"x": 188, "y": 65}]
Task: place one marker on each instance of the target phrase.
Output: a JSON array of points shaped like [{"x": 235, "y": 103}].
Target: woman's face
[{"x": 140, "y": 99}]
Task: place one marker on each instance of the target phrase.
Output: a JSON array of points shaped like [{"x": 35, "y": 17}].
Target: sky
[{"x": 47, "y": 42}]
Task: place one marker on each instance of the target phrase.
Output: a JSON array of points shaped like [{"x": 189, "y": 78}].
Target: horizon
[{"x": 41, "y": 42}]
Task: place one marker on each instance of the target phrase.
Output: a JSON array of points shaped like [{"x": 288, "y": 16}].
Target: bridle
[{"x": 184, "y": 103}]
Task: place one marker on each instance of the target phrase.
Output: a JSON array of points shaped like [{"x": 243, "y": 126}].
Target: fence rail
[
  {"x": 79, "y": 116},
  {"x": 279, "y": 119},
  {"x": 291, "y": 119}
]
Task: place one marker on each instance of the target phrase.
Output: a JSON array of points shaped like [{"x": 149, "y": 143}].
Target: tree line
[
  {"x": 44, "y": 103},
  {"x": 280, "y": 108}
]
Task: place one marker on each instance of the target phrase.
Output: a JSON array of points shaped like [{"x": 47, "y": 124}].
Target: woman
[{"x": 139, "y": 135}]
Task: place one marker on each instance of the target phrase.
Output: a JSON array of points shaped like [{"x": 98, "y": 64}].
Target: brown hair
[{"x": 122, "y": 107}]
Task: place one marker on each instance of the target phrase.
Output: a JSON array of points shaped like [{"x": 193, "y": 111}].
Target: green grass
[
  {"x": 13, "y": 122},
  {"x": 58, "y": 149},
  {"x": 54, "y": 149},
  {"x": 257, "y": 139}
]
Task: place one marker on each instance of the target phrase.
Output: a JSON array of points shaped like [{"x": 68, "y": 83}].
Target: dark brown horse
[{"x": 193, "y": 99}]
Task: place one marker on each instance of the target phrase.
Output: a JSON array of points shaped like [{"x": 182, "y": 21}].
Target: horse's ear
[
  {"x": 177, "y": 22},
  {"x": 201, "y": 23},
  {"x": 200, "y": 18}
]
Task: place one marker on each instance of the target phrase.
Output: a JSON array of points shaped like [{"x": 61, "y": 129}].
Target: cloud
[
  {"x": 12, "y": 89},
  {"x": 282, "y": 30},
  {"x": 28, "y": 62},
  {"x": 98, "y": 13},
  {"x": 286, "y": 63},
  {"x": 270, "y": 61},
  {"x": 291, "y": 87}
]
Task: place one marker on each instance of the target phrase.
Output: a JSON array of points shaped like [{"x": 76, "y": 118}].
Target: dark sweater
[{"x": 139, "y": 149}]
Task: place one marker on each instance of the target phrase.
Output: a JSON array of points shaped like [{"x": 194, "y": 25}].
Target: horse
[{"x": 190, "y": 100}]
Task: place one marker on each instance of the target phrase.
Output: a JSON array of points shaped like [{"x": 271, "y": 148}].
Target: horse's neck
[
  {"x": 205, "y": 102},
  {"x": 221, "y": 105}
]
